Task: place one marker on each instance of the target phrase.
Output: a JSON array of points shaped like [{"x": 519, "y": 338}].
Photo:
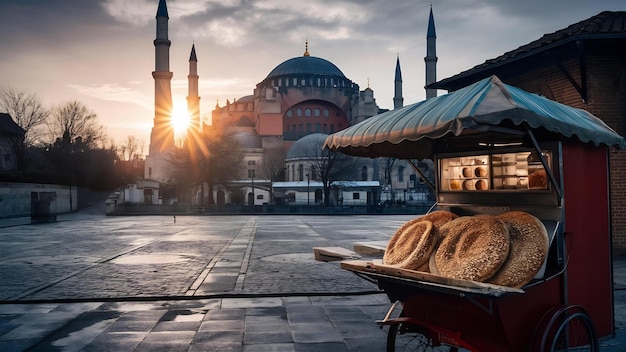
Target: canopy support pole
[
  {"x": 422, "y": 176},
  {"x": 546, "y": 167}
]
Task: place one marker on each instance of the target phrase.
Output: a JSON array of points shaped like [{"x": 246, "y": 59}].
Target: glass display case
[{"x": 521, "y": 170}]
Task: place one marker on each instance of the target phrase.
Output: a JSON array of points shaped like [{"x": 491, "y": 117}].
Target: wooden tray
[{"x": 428, "y": 279}]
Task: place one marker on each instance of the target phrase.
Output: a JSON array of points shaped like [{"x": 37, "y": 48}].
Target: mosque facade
[{"x": 301, "y": 96}]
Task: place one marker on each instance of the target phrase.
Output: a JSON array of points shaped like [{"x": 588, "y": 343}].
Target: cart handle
[{"x": 391, "y": 309}]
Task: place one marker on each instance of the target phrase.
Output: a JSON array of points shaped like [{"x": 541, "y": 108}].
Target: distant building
[
  {"x": 301, "y": 96},
  {"x": 11, "y": 134}
]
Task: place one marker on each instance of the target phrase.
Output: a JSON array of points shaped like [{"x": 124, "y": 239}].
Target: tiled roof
[{"x": 607, "y": 24}]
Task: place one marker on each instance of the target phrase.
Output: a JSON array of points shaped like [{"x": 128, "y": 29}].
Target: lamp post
[
  {"x": 252, "y": 191},
  {"x": 307, "y": 190}
]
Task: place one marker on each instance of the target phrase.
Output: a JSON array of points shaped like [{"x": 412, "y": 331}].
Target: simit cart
[{"x": 490, "y": 142}]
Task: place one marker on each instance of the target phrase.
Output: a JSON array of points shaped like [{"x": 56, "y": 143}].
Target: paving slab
[{"x": 219, "y": 283}]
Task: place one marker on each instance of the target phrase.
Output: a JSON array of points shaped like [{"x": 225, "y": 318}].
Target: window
[
  {"x": 289, "y": 113},
  {"x": 401, "y": 174},
  {"x": 307, "y": 112},
  {"x": 299, "y": 112},
  {"x": 251, "y": 173},
  {"x": 364, "y": 173},
  {"x": 316, "y": 112},
  {"x": 300, "y": 172},
  {"x": 259, "y": 196},
  {"x": 318, "y": 127},
  {"x": 308, "y": 127},
  {"x": 251, "y": 162},
  {"x": 326, "y": 113},
  {"x": 295, "y": 81},
  {"x": 356, "y": 195}
]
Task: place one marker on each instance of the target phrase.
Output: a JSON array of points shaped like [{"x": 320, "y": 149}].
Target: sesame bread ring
[
  {"x": 529, "y": 249},
  {"x": 437, "y": 217},
  {"x": 411, "y": 248},
  {"x": 422, "y": 248},
  {"x": 473, "y": 248}
]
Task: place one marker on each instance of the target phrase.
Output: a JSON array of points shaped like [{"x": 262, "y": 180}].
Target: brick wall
[{"x": 606, "y": 99}]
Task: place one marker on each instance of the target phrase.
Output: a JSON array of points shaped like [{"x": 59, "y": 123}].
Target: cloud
[
  {"x": 114, "y": 92},
  {"x": 132, "y": 12}
]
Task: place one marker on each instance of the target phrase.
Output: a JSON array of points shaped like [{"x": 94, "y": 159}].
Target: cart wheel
[
  {"x": 567, "y": 328},
  {"x": 408, "y": 337},
  {"x": 405, "y": 337}
]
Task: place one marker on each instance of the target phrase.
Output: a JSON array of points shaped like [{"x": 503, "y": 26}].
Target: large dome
[{"x": 308, "y": 65}]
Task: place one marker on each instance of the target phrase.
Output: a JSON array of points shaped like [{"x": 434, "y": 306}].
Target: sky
[{"x": 101, "y": 52}]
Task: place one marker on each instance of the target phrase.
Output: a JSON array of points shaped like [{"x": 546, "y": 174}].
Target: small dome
[
  {"x": 245, "y": 99},
  {"x": 308, "y": 65},
  {"x": 307, "y": 147}
]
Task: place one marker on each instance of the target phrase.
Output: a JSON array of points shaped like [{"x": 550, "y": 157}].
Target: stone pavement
[{"x": 223, "y": 283}]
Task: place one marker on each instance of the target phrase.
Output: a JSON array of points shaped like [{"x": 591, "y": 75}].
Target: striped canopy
[{"x": 487, "y": 106}]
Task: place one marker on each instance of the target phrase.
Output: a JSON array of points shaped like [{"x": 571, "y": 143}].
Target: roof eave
[{"x": 486, "y": 70}]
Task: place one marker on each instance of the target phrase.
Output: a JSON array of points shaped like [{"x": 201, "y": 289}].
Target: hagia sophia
[{"x": 299, "y": 102}]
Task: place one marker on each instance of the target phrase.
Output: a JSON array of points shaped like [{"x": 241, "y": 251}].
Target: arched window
[
  {"x": 289, "y": 113},
  {"x": 307, "y": 112},
  {"x": 316, "y": 112},
  {"x": 364, "y": 173},
  {"x": 299, "y": 112},
  {"x": 300, "y": 172},
  {"x": 401, "y": 174}
]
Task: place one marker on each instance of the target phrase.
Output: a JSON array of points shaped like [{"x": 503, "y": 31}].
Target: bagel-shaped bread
[
  {"x": 411, "y": 247},
  {"x": 438, "y": 218},
  {"x": 442, "y": 232},
  {"x": 529, "y": 249},
  {"x": 473, "y": 248}
]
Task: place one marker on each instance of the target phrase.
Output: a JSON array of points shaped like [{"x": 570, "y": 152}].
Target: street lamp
[{"x": 307, "y": 190}]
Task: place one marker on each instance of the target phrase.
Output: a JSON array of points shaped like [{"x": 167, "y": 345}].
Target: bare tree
[
  {"x": 274, "y": 163},
  {"x": 213, "y": 158},
  {"x": 327, "y": 166},
  {"x": 388, "y": 164},
  {"x": 73, "y": 120},
  {"x": 131, "y": 149},
  {"x": 28, "y": 112}
]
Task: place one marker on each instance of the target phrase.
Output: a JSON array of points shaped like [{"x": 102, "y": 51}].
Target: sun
[{"x": 180, "y": 120}]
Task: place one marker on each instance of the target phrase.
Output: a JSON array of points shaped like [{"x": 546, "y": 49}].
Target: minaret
[
  {"x": 431, "y": 56},
  {"x": 162, "y": 135},
  {"x": 193, "y": 100},
  {"x": 398, "y": 100}
]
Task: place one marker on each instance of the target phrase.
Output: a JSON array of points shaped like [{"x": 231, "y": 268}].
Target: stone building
[
  {"x": 301, "y": 96},
  {"x": 584, "y": 66}
]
